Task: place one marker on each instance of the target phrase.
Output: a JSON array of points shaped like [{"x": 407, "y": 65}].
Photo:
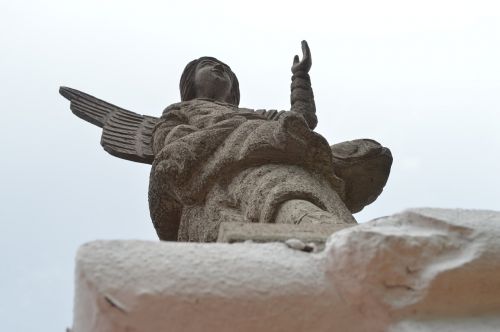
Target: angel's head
[{"x": 208, "y": 77}]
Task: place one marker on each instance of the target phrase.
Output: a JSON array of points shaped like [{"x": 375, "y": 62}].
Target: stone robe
[{"x": 216, "y": 162}]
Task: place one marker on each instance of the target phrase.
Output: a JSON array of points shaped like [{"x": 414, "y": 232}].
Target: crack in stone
[{"x": 115, "y": 304}]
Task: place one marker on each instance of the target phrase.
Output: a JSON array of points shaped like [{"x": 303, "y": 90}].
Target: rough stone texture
[
  {"x": 235, "y": 180},
  {"x": 364, "y": 165},
  {"x": 232, "y": 232},
  {"x": 213, "y": 161},
  {"x": 421, "y": 270}
]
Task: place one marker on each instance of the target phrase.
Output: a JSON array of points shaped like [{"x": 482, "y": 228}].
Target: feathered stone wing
[
  {"x": 125, "y": 134},
  {"x": 364, "y": 165}
]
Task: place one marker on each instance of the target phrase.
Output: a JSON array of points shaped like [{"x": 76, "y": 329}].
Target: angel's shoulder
[{"x": 174, "y": 107}]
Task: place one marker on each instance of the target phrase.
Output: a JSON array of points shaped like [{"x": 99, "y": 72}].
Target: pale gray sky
[{"x": 421, "y": 77}]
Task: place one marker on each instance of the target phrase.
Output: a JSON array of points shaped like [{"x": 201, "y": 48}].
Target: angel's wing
[
  {"x": 125, "y": 134},
  {"x": 364, "y": 165}
]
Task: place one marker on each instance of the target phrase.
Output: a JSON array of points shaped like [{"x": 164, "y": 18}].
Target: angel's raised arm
[
  {"x": 301, "y": 95},
  {"x": 125, "y": 134}
]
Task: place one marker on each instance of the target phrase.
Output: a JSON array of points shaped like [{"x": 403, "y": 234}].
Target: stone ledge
[
  {"x": 420, "y": 270},
  {"x": 232, "y": 232}
]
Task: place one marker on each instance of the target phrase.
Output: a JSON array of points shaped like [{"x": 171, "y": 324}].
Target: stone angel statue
[{"x": 214, "y": 161}]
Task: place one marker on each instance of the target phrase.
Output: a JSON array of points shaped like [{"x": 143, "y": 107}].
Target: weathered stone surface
[
  {"x": 213, "y": 161},
  {"x": 364, "y": 166},
  {"x": 232, "y": 232},
  {"x": 421, "y": 270}
]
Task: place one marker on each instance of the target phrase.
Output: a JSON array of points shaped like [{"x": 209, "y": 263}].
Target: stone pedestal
[
  {"x": 421, "y": 270},
  {"x": 232, "y": 232}
]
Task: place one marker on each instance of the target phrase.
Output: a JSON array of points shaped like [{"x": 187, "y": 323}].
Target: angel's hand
[{"x": 303, "y": 65}]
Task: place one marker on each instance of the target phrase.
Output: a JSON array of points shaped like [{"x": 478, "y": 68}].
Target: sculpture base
[
  {"x": 421, "y": 270},
  {"x": 232, "y": 232}
]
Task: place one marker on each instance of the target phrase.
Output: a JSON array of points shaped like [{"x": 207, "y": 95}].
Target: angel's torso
[{"x": 203, "y": 113}]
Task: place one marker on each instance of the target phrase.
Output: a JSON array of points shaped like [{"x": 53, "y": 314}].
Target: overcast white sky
[{"x": 421, "y": 77}]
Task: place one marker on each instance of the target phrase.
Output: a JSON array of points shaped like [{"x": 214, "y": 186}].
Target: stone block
[
  {"x": 232, "y": 232},
  {"x": 420, "y": 270}
]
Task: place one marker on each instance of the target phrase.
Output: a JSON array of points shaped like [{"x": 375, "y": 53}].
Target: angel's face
[{"x": 211, "y": 80}]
